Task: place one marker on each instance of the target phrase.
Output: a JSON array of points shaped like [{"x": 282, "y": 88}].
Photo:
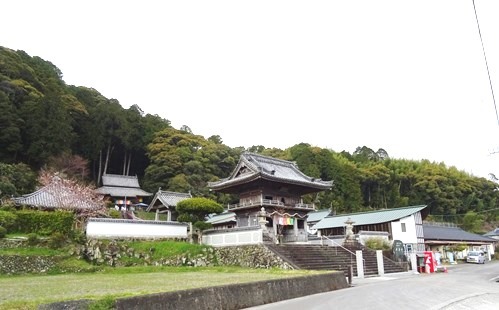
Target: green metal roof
[
  {"x": 316, "y": 216},
  {"x": 366, "y": 218}
]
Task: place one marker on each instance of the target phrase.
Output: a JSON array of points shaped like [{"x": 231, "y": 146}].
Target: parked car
[{"x": 475, "y": 257}]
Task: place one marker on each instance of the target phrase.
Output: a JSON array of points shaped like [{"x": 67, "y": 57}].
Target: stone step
[{"x": 331, "y": 258}]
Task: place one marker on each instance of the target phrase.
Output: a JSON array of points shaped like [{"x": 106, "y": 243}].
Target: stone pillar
[
  {"x": 379, "y": 259},
  {"x": 156, "y": 217},
  {"x": 414, "y": 262},
  {"x": 360, "y": 264},
  {"x": 169, "y": 216}
]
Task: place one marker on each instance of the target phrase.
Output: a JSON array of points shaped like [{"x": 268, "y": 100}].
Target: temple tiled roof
[
  {"x": 439, "y": 233},
  {"x": 166, "y": 199},
  {"x": 368, "y": 218},
  {"x": 55, "y": 195},
  {"x": 117, "y": 180},
  {"x": 121, "y": 186},
  {"x": 122, "y": 191},
  {"x": 226, "y": 217},
  {"x": 253, "y": 166}
]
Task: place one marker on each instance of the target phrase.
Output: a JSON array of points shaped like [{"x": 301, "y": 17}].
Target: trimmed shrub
[
  {"x": 7, "y": 219},
  {"x": 44, "y": 222}
]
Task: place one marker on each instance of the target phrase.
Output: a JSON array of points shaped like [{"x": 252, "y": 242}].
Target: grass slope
[{"x": 28, "y": 291}]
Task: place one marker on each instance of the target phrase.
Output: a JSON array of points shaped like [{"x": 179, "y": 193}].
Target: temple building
[
  {"x": 122, "y": 190},
  {"x": 274, "y": 188},
  {"x": 165, "y": 202}
]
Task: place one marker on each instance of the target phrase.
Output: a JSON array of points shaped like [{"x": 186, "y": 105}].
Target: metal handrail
[
  {"x": 332, "y": 241},
  {"x": 352, "y": 253}
]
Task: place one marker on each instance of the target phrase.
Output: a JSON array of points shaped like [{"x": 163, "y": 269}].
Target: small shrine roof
[
  {"x": 167, "y": 199},
  {"x": 56, "y": 195},
  {"x": 253, "y": 166},
  {"x": 225, "y": 217},
  {"x": 492, "y": 233}
]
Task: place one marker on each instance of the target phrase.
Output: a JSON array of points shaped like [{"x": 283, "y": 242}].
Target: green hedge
[
  {"x": 44, "y": 222},
  {"x": 7, "y": 219}
]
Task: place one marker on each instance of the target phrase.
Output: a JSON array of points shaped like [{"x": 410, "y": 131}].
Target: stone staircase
[{"x": 319, "y": 257}]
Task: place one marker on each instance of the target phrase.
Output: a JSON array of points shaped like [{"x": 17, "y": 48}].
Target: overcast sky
[{"x": 406, "y": 76}]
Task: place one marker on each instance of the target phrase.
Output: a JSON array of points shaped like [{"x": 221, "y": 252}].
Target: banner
[{"x": 285, "y": 220}]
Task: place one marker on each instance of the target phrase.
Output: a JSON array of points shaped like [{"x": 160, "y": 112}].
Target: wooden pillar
[
  {"x": 295, "y": 226},
  {"x": 169, "y": 215},
  {"x": 156, "y": 217},
  {"x": 274, "y": 224}
]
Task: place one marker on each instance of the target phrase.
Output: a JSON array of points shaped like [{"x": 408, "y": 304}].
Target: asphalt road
[{"x": 464, "y": 286}]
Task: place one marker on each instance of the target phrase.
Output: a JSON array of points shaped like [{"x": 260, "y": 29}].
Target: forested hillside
[{"x": 45, "y": 123}]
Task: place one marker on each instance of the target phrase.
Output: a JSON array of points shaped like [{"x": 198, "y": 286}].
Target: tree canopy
[{"x": 45, "y": 122}]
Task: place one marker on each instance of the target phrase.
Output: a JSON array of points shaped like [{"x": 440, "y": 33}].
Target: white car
[{"x": 475, "y": 257}]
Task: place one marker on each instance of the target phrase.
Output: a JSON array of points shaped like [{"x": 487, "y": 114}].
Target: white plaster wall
[
  {"x": 409, "y": 236},
  {"x": 234, "y": 238},
  {"x": 135, "y": 229}
]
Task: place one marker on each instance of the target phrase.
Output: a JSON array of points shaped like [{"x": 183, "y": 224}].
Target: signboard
[{"x": 398, "y": 250}]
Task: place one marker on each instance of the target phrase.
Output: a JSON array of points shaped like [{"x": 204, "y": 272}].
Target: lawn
[{"x": 28, "y": 291}]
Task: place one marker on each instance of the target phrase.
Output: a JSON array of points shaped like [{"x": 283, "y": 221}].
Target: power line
[{"x": 486, "y": 63}]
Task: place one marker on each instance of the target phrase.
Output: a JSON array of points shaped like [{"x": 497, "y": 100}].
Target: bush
[
  {"x": 79, "y": 237},
  {"x": 377, "y": 243},
  {"x": 115, "y": 214},
  {"x": 7, "y": 207},
  {"x": 57, "y": 240},
  {"x": 7, "y": 219},
  {"x": 33, "y": 239},
  {"x": 3, "y": 232}
]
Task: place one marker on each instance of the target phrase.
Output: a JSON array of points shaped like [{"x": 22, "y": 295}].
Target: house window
[
  {"x": 408, "y": 247},
  {"x": 403, "y": 227}
]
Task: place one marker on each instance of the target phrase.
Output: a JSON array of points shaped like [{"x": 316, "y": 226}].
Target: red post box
[{"x": 429, "y": 262}]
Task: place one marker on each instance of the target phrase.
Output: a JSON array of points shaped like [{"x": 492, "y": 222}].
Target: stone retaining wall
[
  {"x": 16, "y": 264},
  {"x": 111, "y": 253},
  {"x": 237, "y": 296},
  {"x": 251, "y": 256}
]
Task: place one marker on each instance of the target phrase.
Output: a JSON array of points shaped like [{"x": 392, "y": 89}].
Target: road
[{"x": 464, "y": 286}]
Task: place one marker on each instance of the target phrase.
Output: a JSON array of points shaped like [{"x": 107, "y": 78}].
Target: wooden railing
[{"x": 268, "y": 202}]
